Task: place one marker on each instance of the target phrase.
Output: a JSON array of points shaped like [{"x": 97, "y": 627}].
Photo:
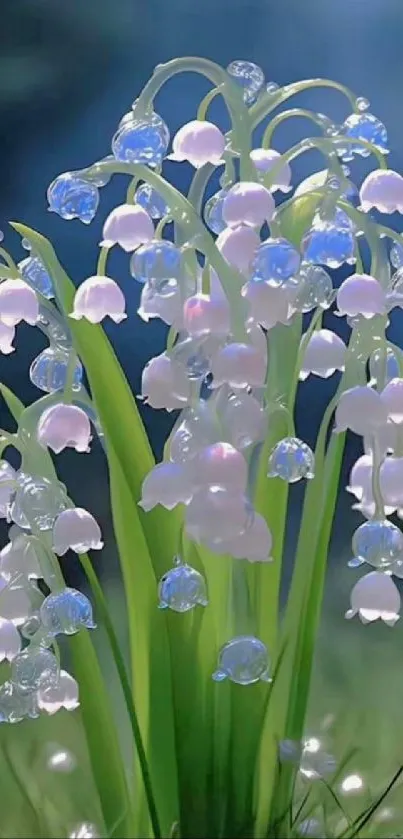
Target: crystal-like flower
[
  {"x": 382, "y": 189},
  {"x": 141, "y": 139},
  {"x": 34, "y": 273},
  {"x": 160, "y": 263},
  {"x": 378, "y": 542},
  {"x": 37, "y": 502},
  {"x": 203, "y": 315},
  {"x": 312, "y": 287},
  {"x": 392, "y": 399},
  {"x": 195, "y": 431},
  {"x": 65, "y": 612},
  {"x": 375, "y": 597},
  {"x": 327, "y": 243},
  {"x": 276, "y": 261},
  {"x": 168, "y": 308},
  {"x": 249, "y": 77},
  {"x": 199, "y": 142},
  {"x": 383, "y": 367},
  {"x": 238, "y": 246},
  {"x": 248, "y": 203},
  {"x": 291, "y": 460},
  {"x": 48, "y": 371},
  {"x": 19, "y": 558},
  {"x": 64, "y": 694},
  {"x": 239, "y": 365},
  {"x": 34, "y": 668},
  {"x": 219, "y": 464},
  {"x": 150, "y": 200},
  {"x": 244, "y": 660},
  {"x": 213, "y": 211},
  {"x": 265, "y": 160},
  {"x": 182, "y": 588},
  {"x": 16, "y": 704},
  {"x": 7, "y": 486},
  {"x": 360, "y": 409},
  {"x": 165, "y": 384},
  {"x": 62, "y": 426},
  {"x": 17, "y": 302},
  {"x": 244, "y": 420},
  {"x": 361, "y": 294},
  {"x": 324, "y": 354},
  {"x": 98, "y": 297},
  {"x": 217, "y": 514},
  {"x": 364, "y": 126},
  {"x": 128, "y": 226},
  {"x": 10, "y": 640},
  {"x": 166, "y": 484},
  {"x": 70, "y": 196},
  {"x": 76, "y": 529}
]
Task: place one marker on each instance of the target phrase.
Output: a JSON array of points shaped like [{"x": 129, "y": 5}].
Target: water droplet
[
  {"x": 26, "y": 244},
  {"x": 333, "y": 183},
  {"x": 313, "y": 288},
  {"x": 315, "y": 763},
  {"x": 276, "y": 261},
  {"x": 291, "y": 460},
  {"x": 60, "y": 760},
  {"x": 141, "y": 140},
  {"x": 213, "y": 211},
  {"x": 249, "y": 76},
  {"x": 160, "y": 263},
  {"x": 325, "y": 243},
  {"x": 363, "y": 126},
  {"x": 34, "y": 273},
  {"x": 65, "y": 612},
  {"x": 37, "y": 502},
  {"x": 244, "y": 660},
  {"x": 379, "y": 371},
  {"x": 70, "y": 196},
  {"x": 272, "y": 87},
  {"x": 182, "y": 588},
  {"x": 48, "y": 371},
  {"x": 151, "y": 201},
  {"x": 396, "y": 255},
  {"x": 362, "y": 104},
  {"x": 355, "y": 562},
  {"x": 34, "y": 668},
  {"x": 380, "y": 543}
]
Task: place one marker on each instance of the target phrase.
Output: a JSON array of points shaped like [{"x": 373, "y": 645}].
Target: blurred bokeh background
[{"x": 68, "y": 72}]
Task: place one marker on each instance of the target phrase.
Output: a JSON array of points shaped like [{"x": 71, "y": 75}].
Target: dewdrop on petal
[
  {"x": 10, "y": 640},
  {"x": 99, "y": 297},
  {"x": 244, "y": 420},
  {"x": 129, "y": 226},
  {"x": 165, "y": 383},
  {"x": 167, "y": 484},
  {"x": 244, "y": 660},
  {"x": 324, "y": 354},
  {"x": 239, "y": 365},
  {"x": 182, "y": 588},
  {"x": 268, "y": 305},
  {"x": 62, "y": 426},
  {"x": 34, "y": 668},
  {"x": 217, "y": 514},
  {"x": 361, "y": 409},
  {"x": 219, "y": 465},
  {"x": 265, "y": 160},
  {"x": 361, "y": 294},
  {"x": 238, "y": 246},
  {"x": 375, "y": 597},
  {"x": 203, "y": 315},
  {"x": 76, "y": 529},
  {"x": 383, "y": 190},
  {"x": 64, "y": 694},
  {"x": 65, "y": 612},
  {"x": 392, "y": 398},
  {"x": 18, "y": 302},
  {"x": 378, "y": 542},
  {"x": 7, "y": 335},
  {"x": 199, "y": 142},
  {"x": 291, "y": 460},
  {"x": 248, "y": 203}
]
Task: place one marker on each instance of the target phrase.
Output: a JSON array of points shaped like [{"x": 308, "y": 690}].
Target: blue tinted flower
[
  {"x": 249, "y": 76},
  {"x": 48, "y": 371},
  {"x": 275, "y": 262},
  {"x": 182, "y": 588},
  {"x": 141, "y": 140},
  {"x": 363, "y": 126},
  {"x": 244, "y": 660},
  {"x": 34, "y": 273},
  {"x": 65, "y": 612},
  {"x": 151, "y": 201},
  {"x": 70, "y": 196}
]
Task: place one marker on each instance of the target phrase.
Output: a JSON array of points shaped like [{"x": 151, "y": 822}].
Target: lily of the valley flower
[
  {"x": 375, "y": 597},
  {"x": 64, "y": 694},
  {"x": 268, "y": 305},
  {"x": 265, "y": 160},
  {"x": 324, "y": 354},
  {"x": 361, "y": 294},
  {"x": 10, "y": 640},
  {"x": 238, "y": 245},
  {"x": 254, "y": 544},
  {"x": 62, "y": 426},
  {"x": 199, "y": 142},
  {"x": 203, "y": 315},
  {"x": 383, "y": 190},
  {"x": 217, "y": 514},
  {"x": 18, "y": 302},
  {"x": 165, "y": 384},
  {"x": 167, "y": 484},
  {"x": 99, "y": 297},
  {"x": 219, "y": 465},
  {"x": 249, "y": 203},
  {"x": 7, "y": 335},
  {"x": 128, "y": 226},
  {"x": 7, "y": 486},
  {"x": 239, "y": 365},
  {"x": 392, "y": 398},
  {"x": 76, "y": 529},
  {"x": 360, "y": 409}
]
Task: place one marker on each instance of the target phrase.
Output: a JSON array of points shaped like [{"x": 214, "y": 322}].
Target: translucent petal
[{"x": 244, "y": 660}]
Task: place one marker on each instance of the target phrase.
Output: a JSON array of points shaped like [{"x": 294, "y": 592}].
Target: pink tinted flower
[
  {"x": 361, "y": 294},
  {"x": 217, "y": 513},
  {"x": 219, "y": 464},
  {"x": 375, "y": 597},
  {"x": 267, "y": 305},
  {"x": 382, "y": 189},
  {"x": 128, "y": 226},
  {"x": 254, "y": 544},
  {"x": 238, "y": 245},
  {"x": 360, "y": 409},
  {"x": 265, "y": 160},
  {"x": 7, "y": 334},
  {"x": 324, "y": 354},
  {"x": 62, "y": 426},
  {"x": 165, "y": 383},
  {"x": 249, "y": 203},
  {"x": 392, "y": 398},
  {"x": 199, "y": 142},
  {"x": 18, "y": 302},
  {"x": 167, "y": 484},
  {"x": 99, "y": 297},
  {"x": 76, "y": 529},
  {"x": 203, "y": 315},
  {"x": 239, "y": 365}
]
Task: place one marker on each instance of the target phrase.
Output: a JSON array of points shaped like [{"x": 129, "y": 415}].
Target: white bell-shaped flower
[
  {"x": 244, "y": 419},
  {"x": 217, "y": 514},
  {"x": 18, "y": 558},
  {"x": 391, "y": 481},
  {"x": 360, "y": 483},
  {"x": 10, "y": 640},
  {"x": 239, "y": 365},
  {"x": 386, "y": 436},
  {"x": 382, "y": 189},
  {"x": 360, "y": 409},
  {"x": 238, "y": 246},
  {"x": 164, "y": 383},
  {"x": 375, "y": 597},
  {"x": 324, "y": 354},
  {"x": 62, "y": 426},
  {"x": 218, "y": 465},
  {"x": 62, "y": 695},
  {"x": 76, "y": 529},
  {"x": 199, "y": 142},
  {"x": 268, "y": 305},
  {"x": 128, "y": 226},
  {"x": 18, "y": 302},
  {"x": 204, "y": 315},
  {"x": 265, "y": 160},
  {"x": 7, "y": 486},
  {"x": 15, "y": 602},
  {"x": 96, "y": 298},
  {"x": 392, "y": 398},
  {"x": 254, "y": 544},
  {"x": 167, "y": 484},
  {"x": 249, "y": 203},
  {"x": 361, "y": 294},
  {"x": 168, "y": 308},
  {"x": 7, "y": 335}
]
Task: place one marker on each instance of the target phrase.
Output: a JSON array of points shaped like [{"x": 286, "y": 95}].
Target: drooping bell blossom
[
  {"x": 167, "y": 484},
  {"x": 15, "y": 602},
  {"x": 7, "y": 335},
  {"x": 386, "y": 436},
  {"x": 99, "y": 297},
  {"x": 324, "y": 354},
  {"x": 382, "y": 189},
  {"x": 249, "y": 203},
  {"x": 10, "y": 640},
  {"x": 62, "y": 695},
  {"x": 361, "y": 294},
  {"x": 204, "y": 315},
  {"x": 360, "y": 483},
  {"x": 239, "y": 365},
  {"x": 391, "y": 481},
  {"x": 218, "y": 465},
  {"x": 128, "y": 226},
  {"x": 7, "y": 486},
  {"x": 76, "y": 529},
  {"x": 62, "y": 426},
  {"x": 217, "y": 513},
  {"x": 254, "y": 544},
  {"x": 18, "y": 557},
  {"x": 392, "y": 398},
  {"x": 360, "y": 409},
  {"x": 265, "y": 160},
  {"x": 268, "y": 305},
  {"x": 244, "y": 419},
  {"x": 238, "y": 245},
  {"x": 164, "y": 384},
  {"x": 18, "y": 302},
  {"x": 168, "y": 308},
  {"x": 375, "y": 597},
  {"x": 199, "y": 142}
]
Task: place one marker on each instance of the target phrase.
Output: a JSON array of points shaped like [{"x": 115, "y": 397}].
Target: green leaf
[{"x": 15, "y": 406}]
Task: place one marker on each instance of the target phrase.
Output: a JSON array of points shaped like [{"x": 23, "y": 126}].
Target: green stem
[
  {"x": 293, "y": 112},
  {"x": 205, "y": 103},
  {"x": 267, "y": 102},
  {"x": 102, "y": 260},
  {"x": 68, "y": 386},
  {"x": 8, "y": 259},
  {"x": 131, "y": 190},
  {"x": 161, "y": 224}
]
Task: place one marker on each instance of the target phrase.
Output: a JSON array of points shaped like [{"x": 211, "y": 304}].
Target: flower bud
[
  {"x": 203, "y": 315},
  {"x": 239, "y": 365},
  {"x": 76, "y": 529},
  {"x": 17, "y": 302},
  {"x": 129, "y": 226},
  {"x": 375, "y": 597},
  {"x": 382, "y": 189},
  {"x": 238, "y": 245},
  {"x": 167, "y": 484},
  {"x": 360, "y": 409},
  {"x": 265, "y": 160},
  {"x": 324, "y": 354},
  {"x": 165, "y": 383},
  {"x": 199, "y": 142},
  {"x": 392, "y": 399},
  {"x": 268, "y": 305},
  {"x": 249, "y": 203},
  {"x": 361, "y": 294},
  {"x": 62, "y": 426},
  {"x": 96, "y": 298}
]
